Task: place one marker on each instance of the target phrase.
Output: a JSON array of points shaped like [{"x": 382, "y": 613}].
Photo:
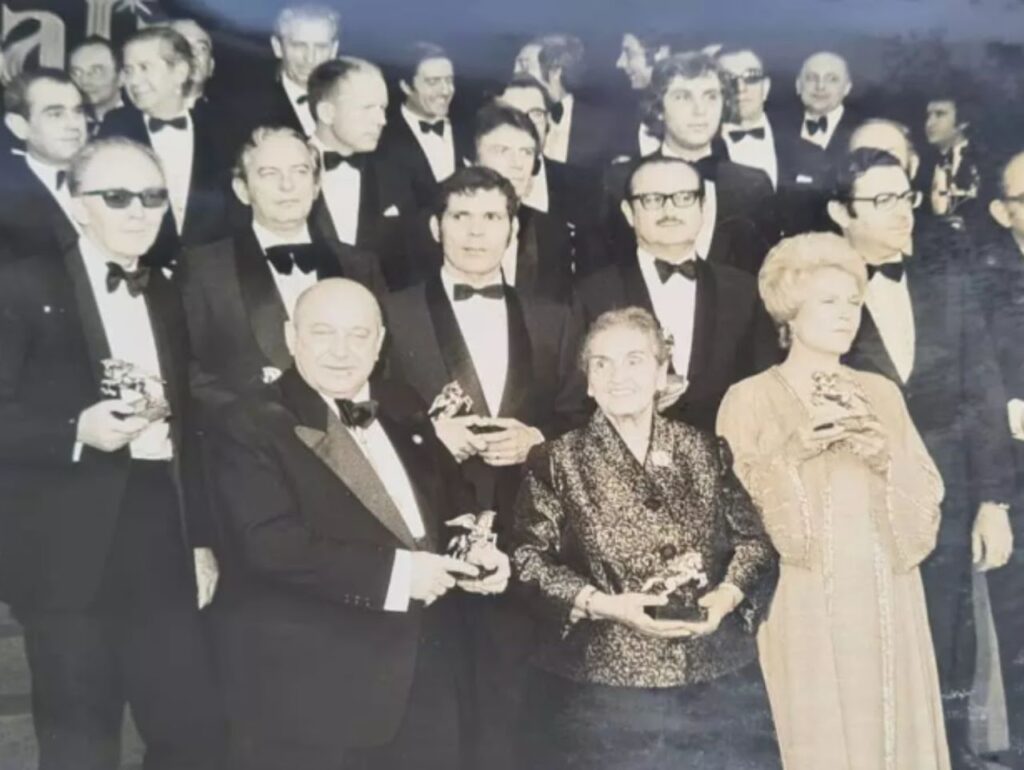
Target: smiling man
[{"x": 239, "y": 290}]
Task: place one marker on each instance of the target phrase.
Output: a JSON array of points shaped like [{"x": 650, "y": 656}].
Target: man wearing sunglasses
[
  {"x": 720, "y": 331},
  {"x": 924, "y": 328},
  {"x": 748, "y": 133},
  {"x": 104, "y": 543}
]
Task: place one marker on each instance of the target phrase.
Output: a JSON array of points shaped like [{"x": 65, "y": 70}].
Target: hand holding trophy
[
  {"x": 142, "y": 391},
  {"x": 679, "y": 580},
  {"x": 477, "y": 545}
]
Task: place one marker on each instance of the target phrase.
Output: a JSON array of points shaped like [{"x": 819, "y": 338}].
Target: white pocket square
[
  {"x": 392, "y": 211},
  {"x": 804, "y": 179}
]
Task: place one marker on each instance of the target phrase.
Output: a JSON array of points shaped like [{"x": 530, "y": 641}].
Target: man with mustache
[{"x": 924, "y": 328}]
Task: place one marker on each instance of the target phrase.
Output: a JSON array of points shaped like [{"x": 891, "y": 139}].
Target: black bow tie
[
  {"x": 891, "y": 270},
  {"x": 740, "y": 134},
  {"x": 816, "y": 125},
  {"x": 687, "y": 268},
  {"x": 557, "y": 111},
  {"x": 437, "y": 127},
  {"x": 300, "y": 255},
  {"x": 463, "y": 291},
  {"x": 62, "y": 178},
  {"x": 357, "y": 414},
  {"x": 334, "y": 159},
  {"x": 158, "y": 124},
  {"x": 135, "y": 281}
]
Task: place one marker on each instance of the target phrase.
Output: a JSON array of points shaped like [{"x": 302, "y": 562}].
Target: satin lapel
[
  {"x": 261, "y": 298},
  {"x": 633, "y": 286},
  {"x": 160, "y": 307},
  {"x": 320, "y": 218},
  {"x": 340, "y": 453},
  {"x": 88, "y": 312},
  {"x": 411, "y": 453},
  {"x": 453, "y": 348},
  {"x": 868, "y": 350},
  {"x": 527, "y": 256},
  {"x": 369, "y": 200},
  {"x": 918, "y": 288},
  {"x": 520, "y": 357},
  {"x": 704, "y": 317}
]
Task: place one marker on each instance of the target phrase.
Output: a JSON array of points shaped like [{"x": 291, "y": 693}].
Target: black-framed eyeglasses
[
  {"x": 119, "y": 198},
  {"x": 681, "y": 199},
  {"x": 887, "y": 201},
  {"x": 748, "y": 78}
]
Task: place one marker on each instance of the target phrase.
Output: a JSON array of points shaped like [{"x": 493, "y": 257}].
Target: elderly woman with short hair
[
  {"x": 851, "y": 499},
  {"x": 604, "y": 512}
]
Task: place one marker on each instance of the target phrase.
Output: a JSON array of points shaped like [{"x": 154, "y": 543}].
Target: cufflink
[
  {"x": 417, "y": 439},
  {"x": 47, "y": 309}
]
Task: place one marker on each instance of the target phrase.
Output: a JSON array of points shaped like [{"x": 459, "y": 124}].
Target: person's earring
[{"x": 785, "y": 336}]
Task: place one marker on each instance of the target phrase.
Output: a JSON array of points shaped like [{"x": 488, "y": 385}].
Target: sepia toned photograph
[{"x": 512, "y": 385}]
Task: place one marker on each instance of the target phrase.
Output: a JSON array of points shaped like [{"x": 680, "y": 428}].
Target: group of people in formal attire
[{"x": 735, "y": 407}]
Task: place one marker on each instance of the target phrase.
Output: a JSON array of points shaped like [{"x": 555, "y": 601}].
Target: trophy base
[{"x": 678, "y": 609}]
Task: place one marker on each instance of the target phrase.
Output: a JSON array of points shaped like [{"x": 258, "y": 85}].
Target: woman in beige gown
[{"x": 850, "y": 499}]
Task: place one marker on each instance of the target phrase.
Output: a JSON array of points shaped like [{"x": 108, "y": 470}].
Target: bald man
[{"x": 337, "y": 634}]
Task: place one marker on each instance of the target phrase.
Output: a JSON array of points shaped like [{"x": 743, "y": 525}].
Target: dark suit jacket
[
  {"x": 235, "y": 313},
  {"x": 543, "y": 388},
  {"x": 733, "y": 337},
  {"x": 404, "y": 165},
  {"x": 955, "y": 393},
  {"x": 266, "y": 104},
  {"x": 205, "y": 211},
  {"x": 590, "y": 135},
  {"x": 31, "y": 220},
  {"x": 968, "y": 175},
  {"x": 308, "y": 655},
  {"x": 58, "y": 516}
]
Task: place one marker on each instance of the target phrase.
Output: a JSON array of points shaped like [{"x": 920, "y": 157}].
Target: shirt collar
[
  {"x": 414, "y": 120},
  {"x": 644, "y": 256},
  {"x": 46, "y": 173},
  {"x": 267, "y": 238}
]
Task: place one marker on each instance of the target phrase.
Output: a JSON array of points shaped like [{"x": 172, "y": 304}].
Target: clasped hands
[
  {"x": 628, "y": 609},
  {"x": 434, "y": 575},
  {"x": 506, "y": 442},
  {"x": 861, "y": 433}
]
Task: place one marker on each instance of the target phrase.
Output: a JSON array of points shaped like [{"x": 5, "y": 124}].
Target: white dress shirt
[
  {"x": 294, "y": 92},
  {"x": 756, "y": 153},
  {"x": 537, "y": 196},
  {"x": 556, "y": 146},
  {"x": 440, "y": 150},
  {"x": 130, "y": 337},
  {"x": 288, "y": 286},
  {"x": 375, "y": 445},
  {"x": 48, "y": 176},
  {"x": 675, "y": 306},
  {"x": 888, "y": 302},
  {"x": 943, "y": 188},
  {"x": 822, "y": 138},
  {"x": 484, "y": 326},
  {"x": 342, "y": 191},
  {"x": 175, "y": 149}
]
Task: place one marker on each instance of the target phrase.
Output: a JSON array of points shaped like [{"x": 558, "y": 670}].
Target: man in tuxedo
[
  {"x": 239, "y": 291},
  {"x": 688, "y": 93},
  {"x": 94, "y": 67},
  {"x": 639, "y": 53},
  {"x": 749, "y": 138},
  {"x": 720, "y": 330},
  {"x": 513, "y": 355},
  {"x": 338, "y": 645},
  {"x": 950, "y": 176},
  {"x": 158, "y": 67},
  {"x": 104, "y": 552},
  {"x": 356, "y": 206},
  {"x": 923, "y": 327},
  {"x": 578, "y": 133},
  {"x": 202, "y": 57},
  {"x": 44, "y": 110},
  {"x": 422, "y": 146}
]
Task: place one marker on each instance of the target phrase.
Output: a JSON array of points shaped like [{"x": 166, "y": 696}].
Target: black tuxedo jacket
[
  {"x": 404, "y": 166},
  {"x": 308, "y": 655},
  {"x": 31, "y": 220},
  {"x": 968, "y": 174},
  {"x": 265, "y": 104},
  {"x": 590, "y": 135},
  {"x": 543, "y": 388},
  {"x": 955, "y": 394},
  {"x": 733, "y": 337},
  {"x": 235, "y": 313},
  {"x": 205, "y": 210},
  {"x": 58, "y": 516}
]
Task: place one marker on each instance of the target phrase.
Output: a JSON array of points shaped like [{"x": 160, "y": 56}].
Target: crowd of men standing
[{"x": 141, "y": 220}]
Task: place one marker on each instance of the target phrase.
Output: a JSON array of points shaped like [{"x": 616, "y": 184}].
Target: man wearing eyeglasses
[
  {"x": 720, "y": 331},
  {"x": 924, "y": 329},
  {"x": 748, "y": 135},
  {"x": 104, "y": 544}
]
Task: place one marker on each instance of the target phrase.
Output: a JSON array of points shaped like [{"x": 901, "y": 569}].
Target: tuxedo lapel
[
  {"x": 160, "y": 307},
  {"x": 320, "y": 217},
  {"x": 452, "y": 346},
  {"x": 919, "y": 290},
  {"x": 520, "y": 357},
  {"x": 528, "y": 255},
  {"x": 262, "y": 300},
  {"x": 409, "y": 451},
  {"x": 88, "y": 312},
  {"x": 868, "y": 350},
  {"x": 704, "y": 321},
  {"x": 633, "y": 287}
]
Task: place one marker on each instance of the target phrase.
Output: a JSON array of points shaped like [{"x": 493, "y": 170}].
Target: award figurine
[
  {"x": 680, "y": 579},
  {"x": 141, "y": 390},
  {"x": 477, "y": 543},
  {"x": 450, "y": 402}
]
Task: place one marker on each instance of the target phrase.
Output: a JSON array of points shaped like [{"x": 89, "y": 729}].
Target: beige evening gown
[{"x": 846, "y": 649}]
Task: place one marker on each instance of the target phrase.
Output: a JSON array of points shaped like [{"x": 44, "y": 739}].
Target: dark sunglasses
[
  {"x": 119, "y": 198},
  {"x": 748, "y": 78}
]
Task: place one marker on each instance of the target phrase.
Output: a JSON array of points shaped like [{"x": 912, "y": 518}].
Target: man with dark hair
[
  {"x": 748, "y": 133},
  {"x": 98, "y": 453},
  {"x": 950, "y": 174},
  {"x": 239, "y": 291},
  {"x": 923, "y": 328},
  {"x": 578, "y": 133},
  {"x": 720, "y": 331},
  {"x": 44, "y": 110},
  {"x": 95, "y": 68},
  {"x": 203, "y": 62},
  {"x": 639, "y": 53},
  {"x": 356, "y": 206},
  {"x": 158, "y": 67},
  {"x": 689, "y": 96},
  {"x": 512, "y": 354},
  {"x": 422, "y": 146}
]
